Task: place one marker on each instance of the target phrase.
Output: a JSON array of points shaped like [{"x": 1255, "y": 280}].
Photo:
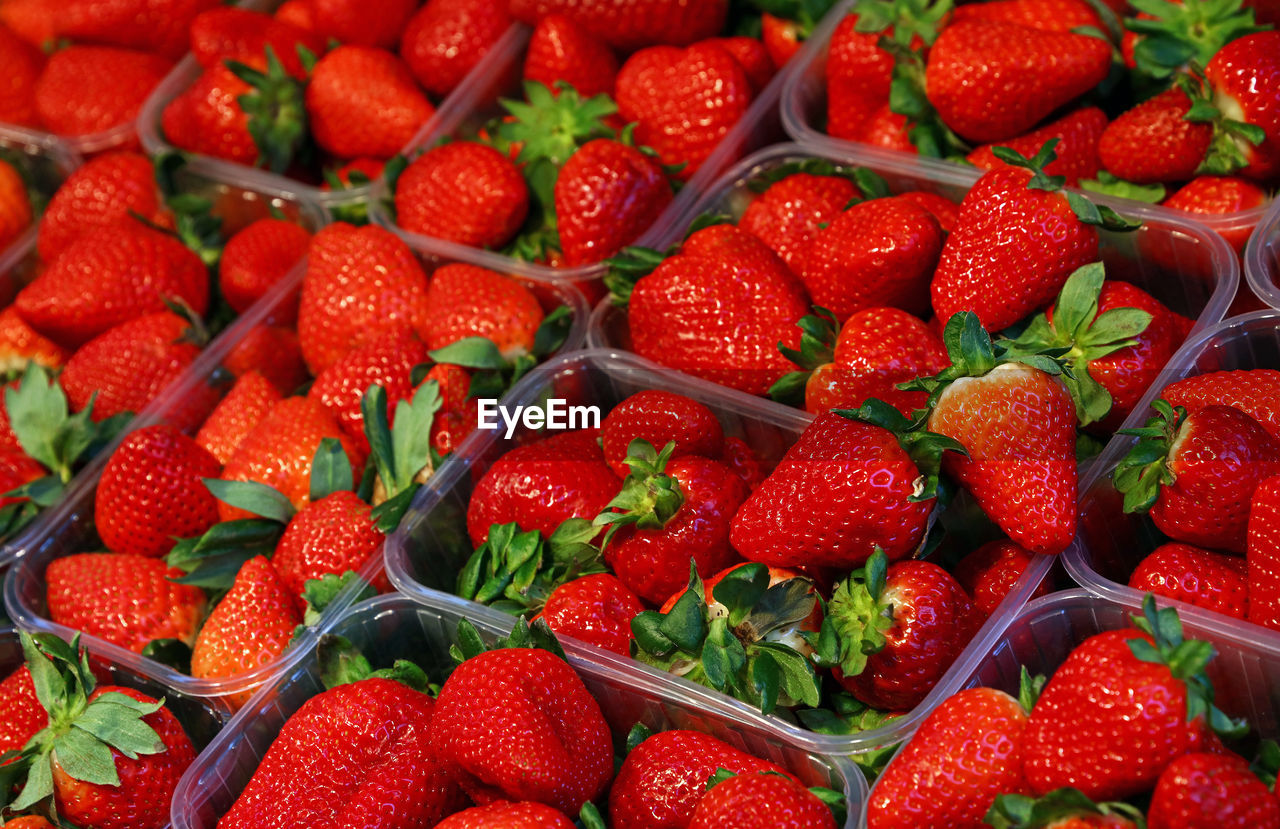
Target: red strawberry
[
  {"x": 990, "y": 572},
  {"x": 752, "y": 56},
  {"x": 1206, "y": 467},
  {"x": 463, "y": 192},
  {"x": 332, "y": 535},
  {"x": 1263, "y": 555},
  {"x": 743, "y": 460},
  {"x": 445, "y": 39},
  {"x": 24, "y": 715},
  {"x": 258, "y": 257},
  {"x": 597, "y": 609},
  {"x": 151, "y": 492},
  {"x": 361, "y": 284},
  {"x": 349, "y": 21},
  {"x": 760, "y": 800},
  {"x": 1063, "y": 809},
  {"x": 1253, "y": 391},
  {"x": 781, "y": 37},
  {"x": 660, "y": 417},
  {"x": 1218, "y": 195},
  {"x": 1199, "y": 577},
  {"x": 1078, "y": 133},
  {"x": 16, "y": 469},
  {"x": 942, "y": 208},
  {"x": 274, "y": 353},
  {"x": 977, "y": 735},
  {"x": 1245, "y": 75},
  {"x": 21, "y": 63},
  {"x": 125, "y": 599},
  {"x": 1154, "y": 142},
  {"x": 1046, "y": 15},
  {"x": 207, "y": 117},
  {"x": 606, "y": 195},
  {"x": 992, "y": 81},
  {"x": 363, "y": 101},
  {"x": 245, "y": 405},
  {"x": 888, "y": 130},
  {"x": 20, "y": 344},
  {"x": 663, "y": 778},
  {"x": 633, "y": 25},
  {"x": 519, "y": 724},
  {"x": 791, "y": 212},
  {"x": 15, "y": 205},
  {"x": 459, "y": 411},
  {"x": 158, "y": 26},
  {"x": 1212, "y": 789},
  {"x": 683, "y": 100},
  {"x": 230, "y": 33},
  {"x": 561, "y": 50},
  {"x": 89, "y": 89},
  {"x": 105, "y": 191},
  {"x": 470, "y": 301},
  {"x": 858, "y": 75},
  {"x": 507, "y": 815}
]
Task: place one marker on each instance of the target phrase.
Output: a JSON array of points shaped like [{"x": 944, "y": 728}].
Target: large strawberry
[
  {"x": 445, "y": 39},
  {"x": 596, "y": 608},
  {"x": 1155, "y": 141},
  {"x": 105, "y": 191},
  {"x": 207, "y": 116},
  {"x": 463, "y": 192},
  {"x": 1245, "y": 75},
  {"x": 1216, "y": 789},
  {"x": 1263, "y": 555},
  {"x": 1256, "y": 392},
  {"x": 792, "y": 209},
  {"x": 363, "y": 102},
  {"x": 1200, "y": 577},
  {"x": 256, "y": 258},
  {"x": 89, "y": 89},
  {"x": 629, "y": 26}
]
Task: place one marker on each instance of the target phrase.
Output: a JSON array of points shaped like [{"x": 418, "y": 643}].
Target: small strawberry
[
  {"x": 1263, "y": 555},
  {"x": 1195, "y": 576},
  {"x": 1253, "y": 391},
  {"x": 659, "y": 417},
  {"x": 462, "y": 192},
  {"x": 1218, "y": 195},
  {"x": 990, "y": 572},
  {"x": 89, "y": 89},
  {"x": 333, "y": 534},
  {"x": 15, "y": 205},
  {"x": 258, "y": 257},
  {"x": 752, "y": 56},
  {"x": 560, "y": 50},
  {"x": 245, "y": 405},
  {"x": 274, "y": 352},
  {"x": 231, "y": 33},
  {"x": 363, "y": 101},
  {"x": 606, "y": 196},
  {"x": 24, "y": 715},
  {"x": 470, "y": 301},
  {"x": 349, "y": 21},
  {"x": 597, "y": 609},
  {"x": 630, "y": 26},
  {"x": 1155, "y": 142},
  {"x": 760, "y": 800},
  {"x": 1212, "y": 789},
  {"x": 1078, "y": 133},
  {"x": 20, "y": 344},
  {"x": 445, "y": 39},
  {"x": 105, "y": 191},
  {"x": 1245, "y": 75}
]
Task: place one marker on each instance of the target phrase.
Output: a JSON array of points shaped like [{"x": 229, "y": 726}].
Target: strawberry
[
  {"x": 15, "y": 205},
  {"x": 249, "y": 628},
  {"x": 606, "y": 196},
  {"x": 560, "y": 50},
  {"x": 1123, "y": 683},
  {"x": 258, "y": 257},
  {"x": 459, "y": 411},
  {"x": 1195, "y": 474},
  {"x": 878, "y": 252},
  {"x": 942, "y": 208},
  {"x": 1062, "y": 809},
  {"x": 597, "y": 609},
  {"x": 752, "y": 56},
  {"x": 663, "y": 778},
  {"x": 20, "y": 344},
  {"x": 1016, "y": 215},
  {"x": 158, "y": 26},
  {"x": 89, "y": 89},
  {"x": 716, "y": 310},
  {"x": 1252, "y": 391},
  {"x": 1245, "y": 75},
  {"x": 1016, "y": 421},
  {"x": 105, "y": 191},
  {"x": 361, "y": 283},
  {"x": 127, "y": 600},
  {"x": 245, "y": 405},
  {"x": 760, "y": 800},
  {"x": 347, "y": 21},
  {"x": 793, "y": 209},
  {"x": 541, "y": 484},
  {"x": 1195, "y": 576},
  {"x": 507, "y": 815},
  {"x": 363, "y": 101},
  {"x": 839, "y": 467},
  {"x": 388, "y": 363},
  {"x": 991, "y": 81},
  {"x": 1161, "y": 40},
  {"x": 990, "y": 572},
  {"x": 1045, "y": 15},
  {"x": 470, "y": 301},
  {"x": 230, "y": 33},
  {"x": 463, "y": 192},
  {"x": 659, "y": 417},
  {"x": 21, "y": 63},
  {"x": 1263, "y": 554},
  {"x": 632, "y": 25},
  {"x": 1203, "y": 788},
  {"x": 682, "y": 100},
  {"x": 331, "y": 535},
  {"x": 1078, "y": 133},
  {"x": 518, "y": 723},
  {"x": 207, "y": 117},
  {"x": 272, "y": 351},
  {"x": 151, "y": 492},
  {"x": 1217, "y": 195},
  {"x": 1155, "y": 142},
  {"x": 24, "y": 715},
  {"x": 445, "y": 39}
]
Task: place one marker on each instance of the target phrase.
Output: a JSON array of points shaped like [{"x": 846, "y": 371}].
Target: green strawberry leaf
[
  {"x": 1016, "y": 811},
  {"x": 552, "y": 332},
  {"x": 741, "y": 590},
  {"x": 649, "y": 498},
  {"x": 857, "y": 617},
  {"x": 637, "y": 735},
  {"x": 388, "y": 515},
  {"x": 330, "y": 470},
  {"x": 340, "y": 662},
  {"x": 818, "y": 333},
  {"x": 1030, "y": 688},
  {"x": 39, "y": 784},
  {"x": 907, "y": 97},
  {"x": 276, "y": 111},
  {"x": 212, "y": 560},
  {"x": 552, "y": 127},
  {"x": 252, "y": 496},
  {"x": 471, "y": 352},
  {"x": 1144, "y": 470},
  {"x": 403, "y": 453},
  {"x": 320, "y": 594},
  {"x": 589, "y": 817},
  {"x": 1178, "y": 36},
  {"x": 1107, "y": 184},
  {"x": 627, "y": 267}
]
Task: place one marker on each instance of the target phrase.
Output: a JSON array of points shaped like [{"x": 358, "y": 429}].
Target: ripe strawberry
[
  {"x": 760, "y": 800},
  {"x": 363, "y": 101},
  {"x": 258, "y": 257},
  {"x": 791, "y": 212},
  {"x": 125, "y": 599},
  {"x": 597, "y": 609},
  {"x": 991, "y": 81},
  {"x": 630, "y": 26},
  {"x": 1078, "y": 133},
  {"x": 350, "y": 755},
  {"x": 1199, "y": 577},
  {"x": 361, "y": 284},
  {"x": 1046, "y": 15},
  {"x": 1253, "y": 391},
  {"x": 717, "y": 310},
  {"x": 105, "y": 191},
  {"x": 859, "y": 72},
  {"x": 20, "y": 344},
  {"x": 781, "y": 38},
  {"x": 21, "y": 63},
  {"x": 245, "y": 405},
  {"x": 16, "y": 469},
  {"x": 230, "y": 33},
  {"x": 539, "y": 485},
  {"x": 15, "y": 205},
  {"x": 659, "y": 417},
  {"x": 507, "y": 815},
  {"x": 249, "y": 628},
  {"x": 1216, "y": 195},
  {"x": 1245, "y": 75},
  {"x": 1154, "y": 142},
  {"x": 158, "y": 26},
  {"x": 272, "y": 351},
  {"x": 1263, "y": 555},
  {"x": 207, "y": 117},
  {"x": 663, "y": 778},
  {"x": 1063, "y": 809},
  {"x": 519, "y": 724},
  {"x": 332, "y": 535},
  {"x": 877, "y": 253},
  {"x": 445, "y": 39},
  {"x": 606, "y": 195},
  {"x": 1120, "y": 682},
  {"x": 942, "y": 208},
  {"x": 459, "y": 411},
  {"x": 151, "y": 492},
  {"x": 111, "y": 275},
  {"x": 682, "y": 100},
  {"x": 24, "y": 715},
  {"x": 1202, "y": 789},
  {"x": 752, "y": 56},
  {"x": 561, "y": 50},
  {"x": 348, "y": 21},
  {"x": 839, "y": 467},
  {"x": 990, "y": 572},
  {"x": 88, "y": 89},
  {"x": 1196, "y": 473},
  {"x": 463, "y": 192},
  {"x": 470, "y": 301}
]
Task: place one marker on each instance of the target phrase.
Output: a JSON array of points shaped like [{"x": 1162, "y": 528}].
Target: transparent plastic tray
[
  {"x": 1245, "y": 673},
  {"x": 1110, "y": 543},
  {"x": 1262, "y": 258},
  {"x": 395, "y": 627},
  {"x": 804, "y": 113},
  {"x": 499, "y": 76},
  {"x": 68, "y": 528},
  {"x": 426, "y": 553},
  {"x": 46, "y": 162},
  {"x": 1196, "y": 275}
]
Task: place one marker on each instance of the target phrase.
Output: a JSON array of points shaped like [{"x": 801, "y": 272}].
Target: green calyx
[
  {"x": 817, "y": 348},
  {"x": 1186, "y": 660},
  {"x": 80, "y": 734},
  {"x": 1227, "y": 153},
  {"x": 342, "y": 663},
  {"x": 493, "y": 372},
  {"x": 1083, "y": 335},
  {"x": 925, "y": 448},
  {"x": 908, "y": 19},
  {"x": 1182, "y": 33},
  {"x": 1142, "y": 472},
  {"x": 516, "y": 571},
  {"x": 1107, "y": 184},
  {"x": 553, "y": 127},
  {"x": 1086, "y": 211},
  {"x": 523, "y": 635},
  {"x": 321, "y": 593},
  {"x": 402, "y": 456},
  {"x": 908, "y": 97},
  {"x": 731, "y": 652},
  {"x": 649, "y": 497},
  {"x": 842, "y": 715},
  {"x": 628, "y": 267},
  {"x": 1016, "y": 811},
  {"x": 857, "y": 619},
  {"x": 195, "y": 225},
  {"x": 276, "y": 110},
  {"x": 1029, "y": 688},
  {"x": 805, "y": 13}
]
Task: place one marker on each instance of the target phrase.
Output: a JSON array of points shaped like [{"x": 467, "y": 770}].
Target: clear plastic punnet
[
  {"x": 395, "y": 627},
  {"x": 1262, "y": 258},
  {"x": 43, "y": 161},
  {"x": 425, "y": 555},
  {"x": 1111, "y": 543},
  {"x": 499, "y": 76},
  {"x": 1245, "y": 673}
]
